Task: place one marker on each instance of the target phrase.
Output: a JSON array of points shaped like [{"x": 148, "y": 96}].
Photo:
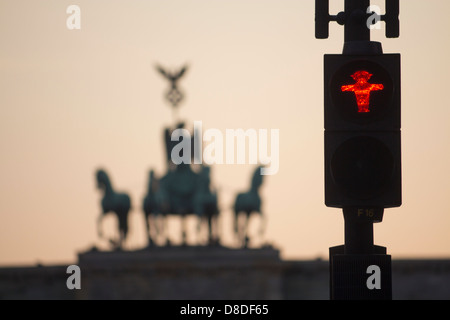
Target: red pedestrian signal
[
  {"x": 362, "y": 131},
  {"x": 362, "y": 89}
]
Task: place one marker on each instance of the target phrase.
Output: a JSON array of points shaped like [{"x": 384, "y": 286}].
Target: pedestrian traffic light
[{"x": 362, "y": 131}]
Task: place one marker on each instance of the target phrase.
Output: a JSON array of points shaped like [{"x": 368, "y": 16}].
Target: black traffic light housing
[
  {"x": 362, "y": 131},
  {"x": 362, "y": 144}
]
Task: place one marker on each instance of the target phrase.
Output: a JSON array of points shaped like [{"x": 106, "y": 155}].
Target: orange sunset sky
[{"x": 75, "y": 100}]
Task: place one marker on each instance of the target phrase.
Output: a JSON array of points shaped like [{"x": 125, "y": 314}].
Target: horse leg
[
  {"x": 165, "y": 228},
  {"x": 241, "y": 228},
  {"x": 199, "y": 228},
  {"x": 263, "y": 225},
  {"x": 123, "y": 227},
  {"x": 237, "y": 229},
  {"x": 148, "y": 217},
  {"x": 216, "y": 228},
  {"x": 236, "y": 222},
  {"x": 199, "y": 225},
  {"x": 183, "y": 229},
  {"x": 162, "y": 227},
  {"x": 210, "y": 230},
  {"x": 245, "y": 229},
  {"x": 159, "y": 223},
  {"x": 121, "y": 240},
  {"x": 99, "y": 225}
]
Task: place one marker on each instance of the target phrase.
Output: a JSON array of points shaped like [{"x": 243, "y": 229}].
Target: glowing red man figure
[{"x": 362, "y": 89}]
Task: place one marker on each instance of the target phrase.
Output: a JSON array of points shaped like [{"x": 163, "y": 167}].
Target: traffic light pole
[
  {"x": 356, "y": 32},
  {"x": 355, "y": 11},
  {"x": 358, "y": 233},
  {"x": 359, "y": 269}
]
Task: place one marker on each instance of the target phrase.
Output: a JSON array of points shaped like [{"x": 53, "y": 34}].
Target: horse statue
[
  {"x": 113, "y": 202},
  {"x": 246, "y": 204},
  {"x": 206, "y": 206}
]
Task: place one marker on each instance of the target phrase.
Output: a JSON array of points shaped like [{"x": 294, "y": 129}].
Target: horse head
[
  {"x": 102, "y": 179},
  {"x": 257, "y": 179}
]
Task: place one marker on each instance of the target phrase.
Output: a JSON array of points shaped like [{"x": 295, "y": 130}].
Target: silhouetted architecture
[{"x": 208, "y": 273}]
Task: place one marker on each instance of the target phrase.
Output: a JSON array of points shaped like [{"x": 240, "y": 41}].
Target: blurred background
[{"x": 72, "y": 101}]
